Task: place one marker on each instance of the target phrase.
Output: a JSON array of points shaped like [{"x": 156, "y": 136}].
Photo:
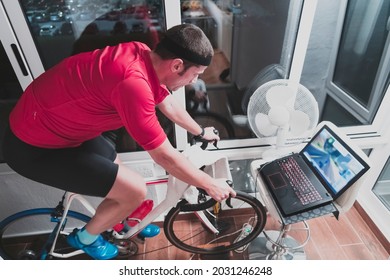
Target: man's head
[
  {"x": 187, "y": 53},
  {"x": 188, "y": 42}
]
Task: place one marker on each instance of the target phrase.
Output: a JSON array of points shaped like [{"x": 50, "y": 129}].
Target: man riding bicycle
[{"x": 55, "y": 128}]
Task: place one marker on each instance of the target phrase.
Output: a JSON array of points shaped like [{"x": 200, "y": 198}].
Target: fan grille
[{"x": 304, "y": 102}]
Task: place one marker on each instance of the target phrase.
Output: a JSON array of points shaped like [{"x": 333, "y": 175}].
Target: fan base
[{"x": 262, "y": 249}]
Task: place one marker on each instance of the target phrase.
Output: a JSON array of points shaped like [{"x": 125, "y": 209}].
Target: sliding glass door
[{"x": 357, "y": 92}]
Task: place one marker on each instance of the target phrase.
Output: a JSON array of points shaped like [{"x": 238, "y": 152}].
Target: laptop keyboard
[{"x": 302, "y": 186}]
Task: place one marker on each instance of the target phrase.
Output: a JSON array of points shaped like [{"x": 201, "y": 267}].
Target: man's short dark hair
[{"x": 188, "y": 42}]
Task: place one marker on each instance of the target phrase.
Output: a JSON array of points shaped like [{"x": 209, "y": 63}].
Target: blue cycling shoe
[
  {"x": 101, "y": 249},
  {"x": 149, "y": 231}
]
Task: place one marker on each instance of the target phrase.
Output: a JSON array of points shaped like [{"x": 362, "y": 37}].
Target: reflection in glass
[
  {"x": 362, "y": 44},
  {"x": 248, "y": 39},
  {"x": 69, "y": 27},
  {"x": 336, "y": 114}
]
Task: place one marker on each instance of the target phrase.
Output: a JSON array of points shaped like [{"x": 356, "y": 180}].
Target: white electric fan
[{"x": 285, "y": 110}]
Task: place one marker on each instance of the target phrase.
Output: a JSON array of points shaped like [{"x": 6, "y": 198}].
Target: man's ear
[{"x": 177, "y": 65}]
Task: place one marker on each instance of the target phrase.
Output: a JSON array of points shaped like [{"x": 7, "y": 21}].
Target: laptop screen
[{"x": 334, "y": 162}]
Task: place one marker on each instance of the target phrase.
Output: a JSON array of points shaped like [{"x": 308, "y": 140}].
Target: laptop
[{"x": 326, "y": 164}]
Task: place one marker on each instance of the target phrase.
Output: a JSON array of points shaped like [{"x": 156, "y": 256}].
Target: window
[{"x": 361, "y": 65}]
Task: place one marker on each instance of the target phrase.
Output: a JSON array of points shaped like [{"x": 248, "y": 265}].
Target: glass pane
[
  {"x": 248, "y": 39},
  {"x": 10, "y": 91},
  {"x": 64, "y": 28},
  {"x": 382, "y": 186},
  {"x": 70, "y": 27},
  {"x": 360, "y": 51},
  {"x": 336, "y": 114}
]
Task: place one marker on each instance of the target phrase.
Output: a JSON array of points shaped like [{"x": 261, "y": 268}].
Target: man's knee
[
  {"x": 130, "y": 192},
  {"x": 138, "y": 193},
  {"x": 128, "y": 186}
]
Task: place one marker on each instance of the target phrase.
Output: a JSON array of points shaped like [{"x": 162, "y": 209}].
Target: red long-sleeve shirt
[{"x": 90, "y": 93}]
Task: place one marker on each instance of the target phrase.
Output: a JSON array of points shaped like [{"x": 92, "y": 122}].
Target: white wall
[{"x": 318, "y": 56}]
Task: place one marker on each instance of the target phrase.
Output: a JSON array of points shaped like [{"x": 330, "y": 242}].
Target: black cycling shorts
[{"x": 88, "y": 169}]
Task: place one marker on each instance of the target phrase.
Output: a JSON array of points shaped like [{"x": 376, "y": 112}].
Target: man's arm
[
  {"x": 180, "y": 167},
  {"x": 172, "y": 109}
]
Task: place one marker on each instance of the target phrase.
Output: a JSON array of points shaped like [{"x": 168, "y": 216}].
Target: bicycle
[{"x": 216, "y": 229}]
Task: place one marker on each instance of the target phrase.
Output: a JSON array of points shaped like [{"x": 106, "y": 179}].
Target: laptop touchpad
[{"x": 277, "y": 180}]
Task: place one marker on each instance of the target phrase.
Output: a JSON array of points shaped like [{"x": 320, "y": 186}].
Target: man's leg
[
  {"x": 91, "y": 169},
  {"x": 127, "y": 193}
]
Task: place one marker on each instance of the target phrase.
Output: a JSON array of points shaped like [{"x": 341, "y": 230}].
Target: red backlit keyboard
[{"x": 302, "y": 186}]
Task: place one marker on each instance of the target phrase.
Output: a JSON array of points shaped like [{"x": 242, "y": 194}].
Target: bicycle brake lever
[
  {"x": 205, "y": 142},
  {"x": 216, "y": 142},
  {"x": 229, "y": 199},
  {"x": 204, "y": 145}
]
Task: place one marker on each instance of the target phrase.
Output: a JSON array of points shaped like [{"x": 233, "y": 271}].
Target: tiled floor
[{"x": 348, "y": 238}]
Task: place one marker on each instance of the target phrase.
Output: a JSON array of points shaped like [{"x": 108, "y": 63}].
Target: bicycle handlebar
[{"x": 204, "y": 141}]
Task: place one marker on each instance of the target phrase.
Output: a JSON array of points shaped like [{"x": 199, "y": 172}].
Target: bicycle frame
[{"x": 215, "y": 165}]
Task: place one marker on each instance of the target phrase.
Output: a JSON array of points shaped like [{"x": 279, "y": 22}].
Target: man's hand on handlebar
[
  {"x": 211, "y": 135},
  {"x": 221, "y": 190}
]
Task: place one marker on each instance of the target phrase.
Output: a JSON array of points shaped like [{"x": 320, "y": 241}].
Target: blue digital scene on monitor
[{"x": 334, "y": 162}]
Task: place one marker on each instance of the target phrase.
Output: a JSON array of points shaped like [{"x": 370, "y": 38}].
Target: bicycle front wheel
[
  {"x": 238, "y": 220},
  {"x": 28, "y": 234}
]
